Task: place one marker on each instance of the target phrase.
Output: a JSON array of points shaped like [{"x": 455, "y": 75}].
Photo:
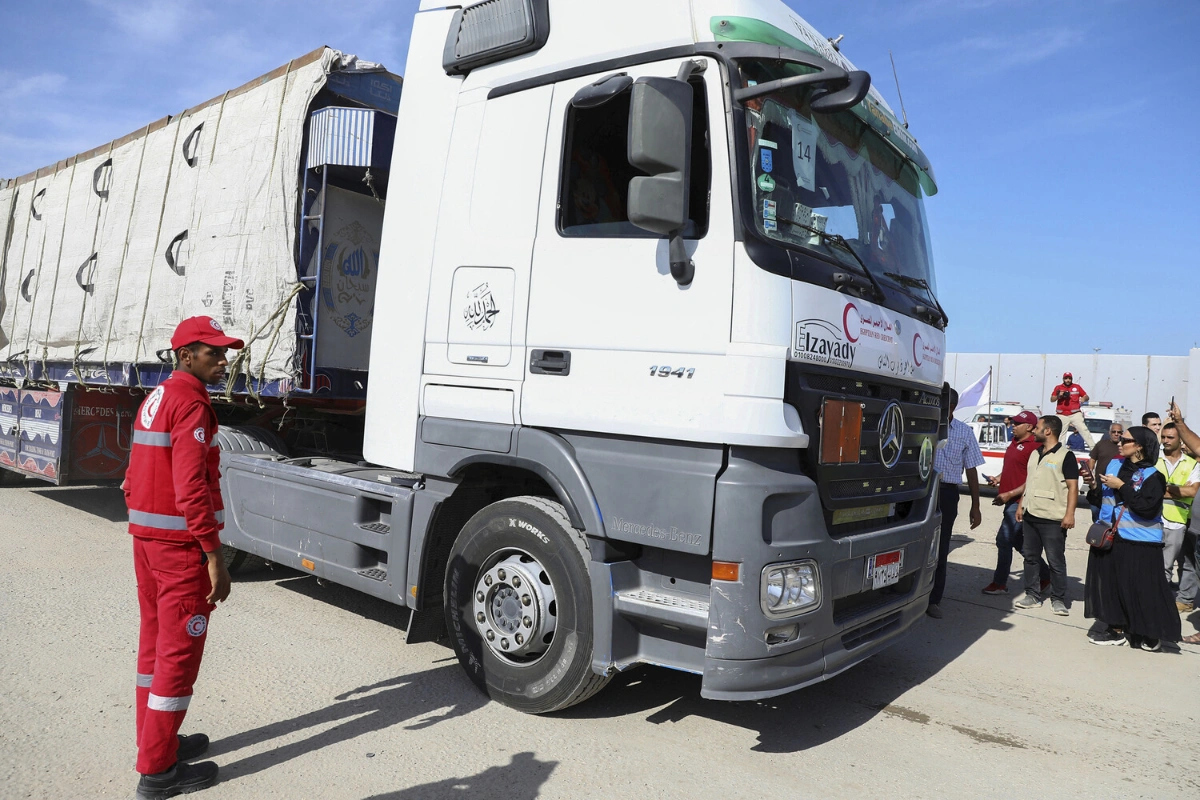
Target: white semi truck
[{"x": 655, "y": 363}]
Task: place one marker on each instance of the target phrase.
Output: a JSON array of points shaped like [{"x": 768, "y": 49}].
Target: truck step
[
  {"x": 374, "y": 573},
  {"x": 376, "y": 527},
  {"x": 667, "y": 609}
]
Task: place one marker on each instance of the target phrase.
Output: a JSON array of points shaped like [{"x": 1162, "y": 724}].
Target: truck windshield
[{"x": 831, "y": 174}]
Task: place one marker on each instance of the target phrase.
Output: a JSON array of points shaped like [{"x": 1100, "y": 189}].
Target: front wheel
[{"x": 519, "y": 606}]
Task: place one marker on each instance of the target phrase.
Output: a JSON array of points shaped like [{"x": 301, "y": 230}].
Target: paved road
[{"x": 309, "y": 691}]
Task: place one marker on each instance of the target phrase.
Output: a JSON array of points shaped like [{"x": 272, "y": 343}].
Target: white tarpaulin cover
[{"x": 194, "y": 214}]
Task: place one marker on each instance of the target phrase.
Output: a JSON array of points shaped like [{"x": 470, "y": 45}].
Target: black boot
[
  {"x": 179, "y": 779},
  {"x": 191, "y": 746}
]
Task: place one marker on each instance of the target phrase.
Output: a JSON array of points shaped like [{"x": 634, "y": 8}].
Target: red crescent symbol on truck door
[
  {"x": 846, "y": 321},
  {"x": 917, "y": 343}
]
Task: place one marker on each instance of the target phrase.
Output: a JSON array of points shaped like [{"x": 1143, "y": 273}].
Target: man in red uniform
[
  {"x": 1010, "y": 487},
  {"x": 1068, "y": 397},
  {"x": 175, "y": 512}
]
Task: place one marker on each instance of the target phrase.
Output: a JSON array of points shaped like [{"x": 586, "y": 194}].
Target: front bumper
[{"x": 768, "y": 512}]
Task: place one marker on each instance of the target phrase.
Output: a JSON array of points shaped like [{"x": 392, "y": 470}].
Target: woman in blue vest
[{"x": 1125, "y": 586}]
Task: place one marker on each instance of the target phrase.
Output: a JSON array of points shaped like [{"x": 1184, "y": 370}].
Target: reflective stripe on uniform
[
  {"x": 144, "y": 680},
  {"x": 152, "y": 438},
  {"x": 167, "y": 522},
  {"x": 157, "y": 703}
]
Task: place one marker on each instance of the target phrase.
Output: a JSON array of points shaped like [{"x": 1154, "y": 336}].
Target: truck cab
[{"x": 679, "y": 272}]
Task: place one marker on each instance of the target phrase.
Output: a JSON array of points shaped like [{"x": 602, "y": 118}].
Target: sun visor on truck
[{"x": 495, "y": 30}]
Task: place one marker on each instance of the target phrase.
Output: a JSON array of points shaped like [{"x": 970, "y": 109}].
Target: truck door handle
[{"x": 550, "y": 362}]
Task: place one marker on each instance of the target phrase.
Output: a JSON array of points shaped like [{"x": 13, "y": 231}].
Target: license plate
[
  {"x": 862, "y": 513},
  {"x": 884, "y": 569}
]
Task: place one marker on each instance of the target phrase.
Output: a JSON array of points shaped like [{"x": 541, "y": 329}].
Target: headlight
[{"x": 788, "y": 589}]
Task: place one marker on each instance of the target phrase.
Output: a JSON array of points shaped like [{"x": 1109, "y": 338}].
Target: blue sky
[{"x": 1063, "y": 134}]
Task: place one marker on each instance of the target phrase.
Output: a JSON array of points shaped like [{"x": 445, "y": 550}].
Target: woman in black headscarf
[{"x": 1125, "y": 586}]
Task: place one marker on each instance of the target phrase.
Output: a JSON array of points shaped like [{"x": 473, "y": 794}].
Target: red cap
[
  {"x": 1025, "y": 418},
  {"x": 1068, "y": 375},
  {"x": 203, "y": 329}
]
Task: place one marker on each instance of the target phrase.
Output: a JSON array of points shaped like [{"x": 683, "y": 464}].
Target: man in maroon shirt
[
  {"x": 1069, "y": 396},
  {"x": 1010, "y": 488}
]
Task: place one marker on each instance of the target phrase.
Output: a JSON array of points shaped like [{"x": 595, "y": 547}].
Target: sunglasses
[{"x": 1127, "y": 440}]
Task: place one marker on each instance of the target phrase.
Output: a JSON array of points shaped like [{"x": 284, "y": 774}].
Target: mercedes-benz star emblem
[{"x": 891, "y": 435}]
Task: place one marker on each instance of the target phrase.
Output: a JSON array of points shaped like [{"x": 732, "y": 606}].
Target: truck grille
[{"x": 867, "y": 482}]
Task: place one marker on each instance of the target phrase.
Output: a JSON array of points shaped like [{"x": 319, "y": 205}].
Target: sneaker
[
  {"x": 934, "y": 611},
  {"x": 191, "y": 746},
  {"x": 1150, "y": 645},
  {"x": 1060, "y": 608},
  {"x": 179, "y": 779},
  {"x": 1028, "y": 601},
  {"x": 1182, "y": 608},
  {"x": 1108, "y": 636},
  {"x": 995, "y": 588}
]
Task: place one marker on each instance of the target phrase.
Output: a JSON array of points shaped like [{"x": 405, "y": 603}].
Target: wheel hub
[{"x": 515, "y": 608}]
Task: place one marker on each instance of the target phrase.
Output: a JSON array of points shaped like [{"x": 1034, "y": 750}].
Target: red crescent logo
[
  {"x": 917, "y": 348},
  {"x": 846, "y": 321}
]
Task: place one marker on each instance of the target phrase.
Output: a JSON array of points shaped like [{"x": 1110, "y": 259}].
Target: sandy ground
[{"x": 310, "y": 691}]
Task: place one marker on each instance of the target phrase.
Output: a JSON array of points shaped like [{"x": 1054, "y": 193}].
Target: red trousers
[{"x": 173, "y": 582}]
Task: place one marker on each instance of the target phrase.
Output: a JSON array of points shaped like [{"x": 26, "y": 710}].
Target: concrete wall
[{"x": 1139, "y": 383}]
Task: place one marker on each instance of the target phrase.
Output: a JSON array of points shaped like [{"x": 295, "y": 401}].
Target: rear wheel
[
  {"x": 519, "y": 606},
  {"x": 250, "y": 440}
]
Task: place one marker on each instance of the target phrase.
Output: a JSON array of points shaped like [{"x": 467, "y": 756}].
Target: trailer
[
  {"x": 655, "y": 353},
  {"x": 243, "y": 207}
]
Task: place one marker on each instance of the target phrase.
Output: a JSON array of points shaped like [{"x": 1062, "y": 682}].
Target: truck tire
[
  {"x": 246, "y": 439},
  {"x": 519, "y": 606}
]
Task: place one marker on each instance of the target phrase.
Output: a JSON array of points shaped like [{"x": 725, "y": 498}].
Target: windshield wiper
[
  {"x": 919, "y": 283},
  {"x": 840, "y": 241}
]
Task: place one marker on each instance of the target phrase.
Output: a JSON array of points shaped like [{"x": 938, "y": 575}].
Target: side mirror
[
  {"x": 660, "y": 143},
  {"x": 826, "y": 102},
  {"x": 603, "y": 90}
]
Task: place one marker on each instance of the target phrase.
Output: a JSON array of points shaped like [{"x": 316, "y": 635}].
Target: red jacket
[
  {"x": 1075, "y": 395},
  {"x": 172, "y": 487}
]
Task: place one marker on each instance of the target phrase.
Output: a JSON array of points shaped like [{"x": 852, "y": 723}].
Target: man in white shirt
[
  {"x": 1183, "y": 478},
  {"x": 959, "y": 453}
]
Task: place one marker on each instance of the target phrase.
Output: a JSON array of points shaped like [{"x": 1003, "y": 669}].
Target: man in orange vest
[{"x": 173, "y": 493}]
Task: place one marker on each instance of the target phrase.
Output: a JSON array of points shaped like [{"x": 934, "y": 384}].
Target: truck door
[
  {"x": 614, "y": 343},
  {"x": 475, "y": 334}
]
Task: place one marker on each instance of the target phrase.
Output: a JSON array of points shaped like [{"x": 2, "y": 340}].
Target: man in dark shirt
[
  {"x": 1047, "y": 512},
  {"x": 1105, "y": 451},
  {"x": 1010, "y": 487}
]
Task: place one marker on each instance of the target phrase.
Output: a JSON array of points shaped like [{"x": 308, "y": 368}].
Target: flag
[{"x": 977, "y": 393}]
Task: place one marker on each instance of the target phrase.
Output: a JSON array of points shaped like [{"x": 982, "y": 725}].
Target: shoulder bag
[{"x": 1100, "y": 535}]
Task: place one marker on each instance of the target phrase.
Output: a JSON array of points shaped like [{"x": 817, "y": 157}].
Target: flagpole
[{"x": 989, "y": 411}]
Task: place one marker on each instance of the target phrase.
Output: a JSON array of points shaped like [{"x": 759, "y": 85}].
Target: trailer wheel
[
  {"x": 519, "y": 606},
  {"x": 246, "y": 439}
]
